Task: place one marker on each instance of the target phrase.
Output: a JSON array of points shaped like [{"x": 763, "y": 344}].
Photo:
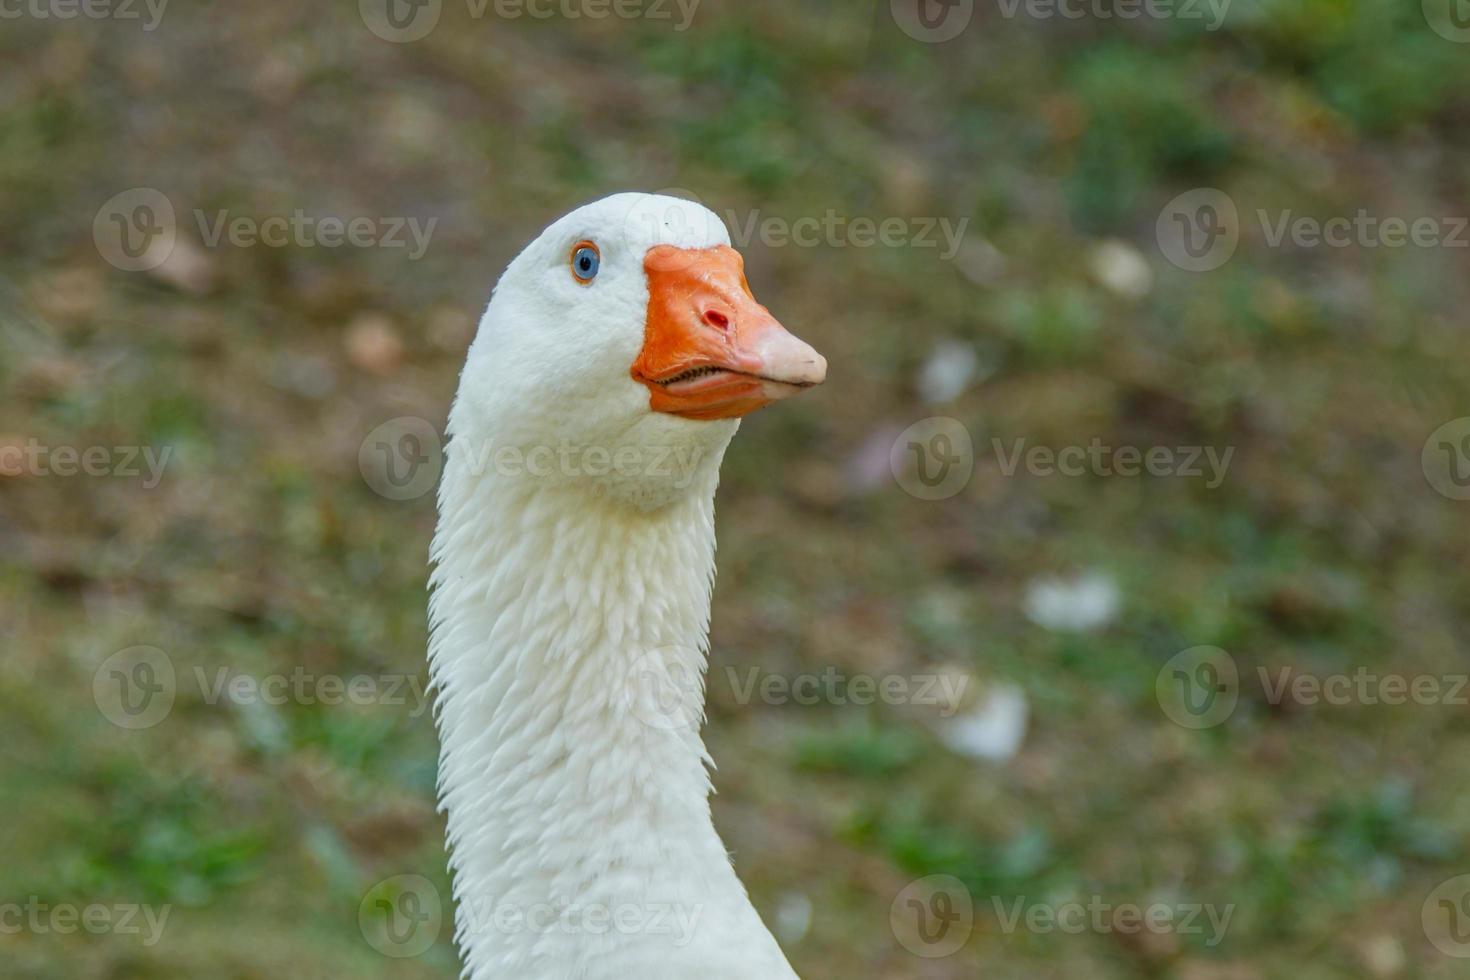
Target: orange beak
[{"x": 710, "y": 351}]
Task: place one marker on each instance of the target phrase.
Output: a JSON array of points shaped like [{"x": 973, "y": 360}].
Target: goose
[{"x": 572, "y": 569}]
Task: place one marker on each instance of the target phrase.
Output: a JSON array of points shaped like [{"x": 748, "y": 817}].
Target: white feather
[{"x": 555, "y": 596}]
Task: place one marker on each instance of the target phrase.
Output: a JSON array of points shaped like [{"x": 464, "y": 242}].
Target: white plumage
[{"x": 574, "y": 561}]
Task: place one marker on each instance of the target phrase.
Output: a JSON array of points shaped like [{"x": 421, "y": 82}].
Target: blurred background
[{"x": 1131, "y": 193}]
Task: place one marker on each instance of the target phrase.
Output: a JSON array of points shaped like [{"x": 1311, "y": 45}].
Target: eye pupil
[{"x": 585, "y": 262}]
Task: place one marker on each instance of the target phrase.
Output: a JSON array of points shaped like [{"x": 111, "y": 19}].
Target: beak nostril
[{"x": 717, "y": 319}]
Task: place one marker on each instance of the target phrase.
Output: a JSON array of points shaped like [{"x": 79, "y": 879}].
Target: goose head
[{"x": 620, "y": 350}]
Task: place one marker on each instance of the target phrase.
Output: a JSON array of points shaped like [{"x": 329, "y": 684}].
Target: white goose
[{"x": 574, "y": 561}]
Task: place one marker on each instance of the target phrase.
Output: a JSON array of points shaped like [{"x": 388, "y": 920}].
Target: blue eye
[{"x": 586, "y": 260}]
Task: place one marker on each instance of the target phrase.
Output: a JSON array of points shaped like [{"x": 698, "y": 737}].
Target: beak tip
[
  {"x": 791, "y": 361},
  {"x": 819, "y": 369},
  {"x": 796, "y": 375}
]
